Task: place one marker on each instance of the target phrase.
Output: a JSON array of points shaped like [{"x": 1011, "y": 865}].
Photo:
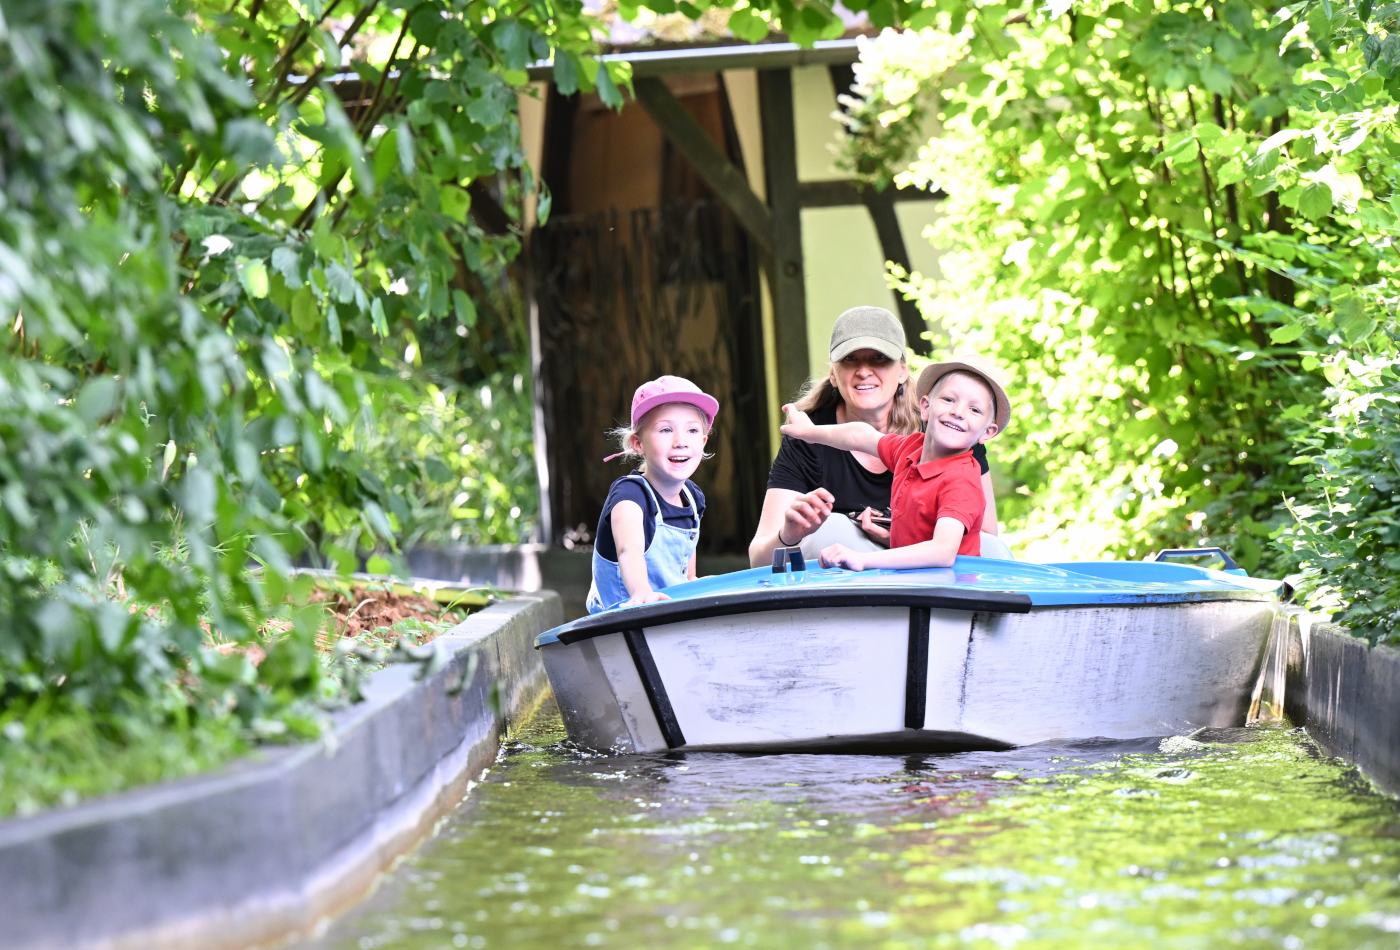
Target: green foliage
[
  {"x": 108, "y": 361},
  {"x": 58, "y": 752},
  {"x": 169, "y": 406},
  {"x": 1171, "y": 220},
  {"x": 255, "y": 261},
  {"x": 886, "y": 111},
  {"x": 1347, "y": 538},
  {"x": 458, "y": 459},
  {"x": 804, "y": 22},
  {"x": 175, "y": 407}
]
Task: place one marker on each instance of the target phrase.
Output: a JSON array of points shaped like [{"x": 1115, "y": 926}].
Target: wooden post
[
  {"x": 691, "y": 140},
  {"x": 881, "y": 207},
  {"x": 787, "y": 278}
]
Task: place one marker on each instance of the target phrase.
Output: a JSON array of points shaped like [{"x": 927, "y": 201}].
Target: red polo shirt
[{"x": 923, "y": 492}]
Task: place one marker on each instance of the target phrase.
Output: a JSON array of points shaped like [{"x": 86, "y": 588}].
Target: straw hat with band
[
  {"x": 867, "y": 328},
  {"x": 977, "y": 366}
]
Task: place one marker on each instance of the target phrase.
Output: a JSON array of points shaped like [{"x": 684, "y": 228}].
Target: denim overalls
[{"x": 667, "y": 557}]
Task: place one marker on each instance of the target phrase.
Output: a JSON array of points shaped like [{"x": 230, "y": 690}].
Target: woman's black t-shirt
[{"x": 803, "y": 467}]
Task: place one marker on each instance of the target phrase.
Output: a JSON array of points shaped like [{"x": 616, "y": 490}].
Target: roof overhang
[{"x": 710, "y": 59}]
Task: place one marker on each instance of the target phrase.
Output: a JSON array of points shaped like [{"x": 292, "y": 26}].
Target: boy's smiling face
[{"x": 960, "y": 412}]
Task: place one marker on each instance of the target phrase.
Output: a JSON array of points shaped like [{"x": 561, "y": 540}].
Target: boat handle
[
  {"x": 1230, "y": 564},
  {"x": 782, "y": 557}
]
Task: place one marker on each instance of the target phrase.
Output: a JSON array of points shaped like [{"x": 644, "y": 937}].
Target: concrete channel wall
[
  {"x": 262, "y": 850},
  {"x": 1347, "y": 694}
]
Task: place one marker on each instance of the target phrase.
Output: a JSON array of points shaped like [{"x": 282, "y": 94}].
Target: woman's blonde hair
[
  {"x": 623, "y": 435},
  {"x": 904, "y": 410}
]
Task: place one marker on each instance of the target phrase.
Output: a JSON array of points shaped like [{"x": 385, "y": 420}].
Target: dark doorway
[{"x": 640, "y": 271}]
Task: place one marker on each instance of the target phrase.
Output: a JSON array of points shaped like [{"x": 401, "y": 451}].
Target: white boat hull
[{"x": 852, "y": 677}]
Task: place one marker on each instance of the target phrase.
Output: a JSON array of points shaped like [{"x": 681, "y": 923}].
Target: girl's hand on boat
[
  {"x": 806, "y": 514},
  {"x": 838, "y": 555},
  {"x": 648, "y": 597},
  {"x": 870, "y": 528}
]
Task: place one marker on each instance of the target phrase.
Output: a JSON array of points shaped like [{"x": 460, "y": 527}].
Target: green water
[{"x": 1255, "y": 842}]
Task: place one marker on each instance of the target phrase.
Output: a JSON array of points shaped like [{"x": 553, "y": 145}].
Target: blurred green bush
[{"x": 1175, "y": 224}]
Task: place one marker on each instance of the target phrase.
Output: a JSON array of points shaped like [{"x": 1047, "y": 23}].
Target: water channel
[{"x": 1250, "y": 839}]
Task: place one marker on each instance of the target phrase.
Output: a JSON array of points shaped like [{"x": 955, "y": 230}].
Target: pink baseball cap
[{"x": 668, "y": 389}]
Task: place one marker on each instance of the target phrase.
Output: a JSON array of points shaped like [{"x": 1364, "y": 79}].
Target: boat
[{"x": 987, "y": 654}]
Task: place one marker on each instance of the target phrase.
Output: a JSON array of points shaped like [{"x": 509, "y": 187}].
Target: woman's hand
[
  {"x": 806, "y": 514},
  {"x": 872, "y": 530},
  {"x": 838, "y": 555},
  {"x": 647, "y": 597}
]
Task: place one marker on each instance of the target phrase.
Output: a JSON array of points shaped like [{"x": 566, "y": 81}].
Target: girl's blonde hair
[
  {"x": 623, "y": 434},
  {"x": 904, "y": 410}
]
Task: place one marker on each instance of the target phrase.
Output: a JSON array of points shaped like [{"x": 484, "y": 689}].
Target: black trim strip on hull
[
  {"x": 656, "y": 690},
  {"x": 794, "y": 597},
  {"x": 916, "y": 673}
]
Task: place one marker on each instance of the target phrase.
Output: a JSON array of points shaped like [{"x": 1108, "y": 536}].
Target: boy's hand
[
  {"x": 873, "y": 530},
  {"x": 799, "y": 424},
  {"x": 838, "y": 555},
  {"x": 649, "y": 597}
]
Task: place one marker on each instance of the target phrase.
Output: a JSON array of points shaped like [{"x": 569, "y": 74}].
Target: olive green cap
[{"x": 867, "y": 328}]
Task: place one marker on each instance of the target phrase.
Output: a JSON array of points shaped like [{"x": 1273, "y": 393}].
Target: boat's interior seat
[{"x": 995, "y": 547}]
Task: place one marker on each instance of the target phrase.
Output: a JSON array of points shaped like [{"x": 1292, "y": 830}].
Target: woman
[{"x": 818, "y": 496}]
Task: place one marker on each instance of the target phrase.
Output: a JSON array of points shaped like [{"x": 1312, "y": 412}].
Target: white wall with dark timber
[
  {"x": 845, "y": 268},
  {"x": 843, "y": 262}
]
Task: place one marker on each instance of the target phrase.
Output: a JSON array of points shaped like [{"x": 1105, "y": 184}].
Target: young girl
[{"x": 650, "y": 524}]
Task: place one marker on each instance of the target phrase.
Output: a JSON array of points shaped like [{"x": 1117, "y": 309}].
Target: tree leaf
[
  {"x": 566, "y": 72},
  {"x": 253, "y": 276},
  {"x": 455, "y": 202},
  {"x": 1217, "y": 79},
  {"x": 607, "y": 90},
  {"x": 287, "y": 262},
  {"x": 513, "y": 41},
  {"x": 545, "y": 204},
  {"x": 403, "y": 141},
  {"x": 1320, "y": 23},
  {"x": 747, "y": 25},
  {"x": 1352, "y": 319},
  {"x": 98, "y": 399},
  {"x": 305, "y": 314},
  {"x": 465, "y": 309},
  {"x": 1371, "y": 47},
  {"x": 1315, "y": 202}
]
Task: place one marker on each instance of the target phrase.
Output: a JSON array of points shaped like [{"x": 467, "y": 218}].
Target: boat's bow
[{"x": 987, "y": 652}]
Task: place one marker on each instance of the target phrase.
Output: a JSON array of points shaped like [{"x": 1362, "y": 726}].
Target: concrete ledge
[
  {"x": 505, "y": 566},
  {"x": 264, "y": 849},
  {"x": 1347, "y": 694}
]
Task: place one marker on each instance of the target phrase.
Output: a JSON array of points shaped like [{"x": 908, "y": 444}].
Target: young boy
[{"x": 936, "y": 502}]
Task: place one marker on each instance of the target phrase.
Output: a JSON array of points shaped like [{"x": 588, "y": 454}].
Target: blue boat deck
[{"x": 972, "y": 583}]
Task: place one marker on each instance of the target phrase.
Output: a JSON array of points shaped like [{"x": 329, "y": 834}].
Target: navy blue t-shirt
[{"x": 628, "y": 489}]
